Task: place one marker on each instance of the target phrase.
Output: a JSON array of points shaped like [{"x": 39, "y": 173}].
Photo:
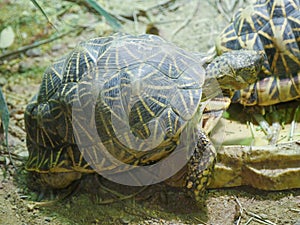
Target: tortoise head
[{"x": 234, "y": 70}]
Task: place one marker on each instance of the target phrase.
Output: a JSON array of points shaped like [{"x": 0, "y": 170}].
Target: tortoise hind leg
[{"x": 200, "y": 166}]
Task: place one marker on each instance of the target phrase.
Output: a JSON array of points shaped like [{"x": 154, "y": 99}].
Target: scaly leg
[{"x": 200, "y": 166}]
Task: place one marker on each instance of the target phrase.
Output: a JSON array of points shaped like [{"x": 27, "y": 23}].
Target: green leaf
[
  {"x": 110, "y": 19},
  {"x": 226, "y": 115},
  {"x": 4, "y": 114}
]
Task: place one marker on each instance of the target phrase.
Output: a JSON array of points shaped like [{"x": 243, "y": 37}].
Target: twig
[
  {"x": 226, "y": 12},
  {"x": 259, "y": 218},
  {"x": 295, "y": 210},
  {"x": 253, "y": 216},
  {"x": 249, "y": 221},
  {"x": 240, "y": 210},
  {"x": 162, "y": 4},
  {"x": 221, "y": 10},
  {"x": 202, "y": 222},
  {"x": 187, "y": 21},
  {"x": 34, "y": 45}
]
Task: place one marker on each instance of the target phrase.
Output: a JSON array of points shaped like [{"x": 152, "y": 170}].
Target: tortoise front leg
[{"x": 200, "y": 165}]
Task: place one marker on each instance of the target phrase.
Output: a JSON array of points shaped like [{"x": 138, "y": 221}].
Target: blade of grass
[
  {"x": 4, "y": 114},
  {"x": 110, "y": 19},
  {"x": 36, "y": 4}
]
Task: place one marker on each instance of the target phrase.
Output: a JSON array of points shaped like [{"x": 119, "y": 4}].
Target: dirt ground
[{"x": 193, "y": 25}]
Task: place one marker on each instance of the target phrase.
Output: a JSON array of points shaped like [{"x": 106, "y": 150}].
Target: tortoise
[
  {"x": 272, "y": 28},
  {"x": 128, "y": 107}
]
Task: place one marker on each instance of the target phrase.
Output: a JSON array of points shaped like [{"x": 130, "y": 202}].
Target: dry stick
[
  {"x": 218, "y": 5},
  {"x": 259, "y": 218},
  {"x": 295, "y": 210},
  {"x": 202, "y": 222},
  {"x": 34, "y": 45},
  {"x": 221, "y": 10},
  {"x": 187, "y": 21},
  {"x": 255, "y": 217},
  {"x": 249, "y": 221},
  {"x": 160, "y": 5},
  {"x": 241, "y": 210}
]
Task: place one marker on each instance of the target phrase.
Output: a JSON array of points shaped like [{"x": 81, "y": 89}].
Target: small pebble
[
  {"x": 263, "y": 216},
  {"x": 30, "y": 207},
  {"x": 57, "y": 47},
  {"x": 297, "y": 222},
  {"x": 34, "y": 52},
  {"x": 7, "y": 196},
  {"x": 19, "y": 116},
  {"x": 124, "y": 221},
  {"x": 3, "y": 81},
  {"x": 48, "y": 219},
  {"x": 68, "y": 206}
]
